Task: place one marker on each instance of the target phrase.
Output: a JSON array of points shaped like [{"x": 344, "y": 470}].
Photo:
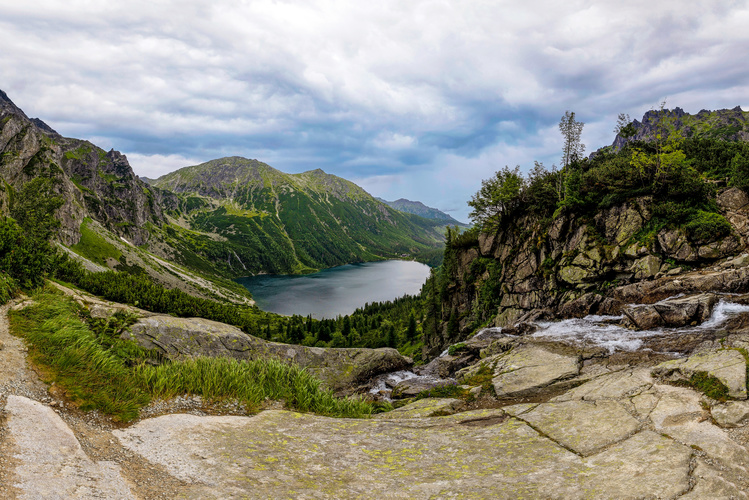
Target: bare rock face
[
  {"x": 481, "y": 454},
  {"x": 339, "y": 369}
]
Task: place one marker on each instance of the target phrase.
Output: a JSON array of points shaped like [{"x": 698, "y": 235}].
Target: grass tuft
[{"x": 98, "y": 370}]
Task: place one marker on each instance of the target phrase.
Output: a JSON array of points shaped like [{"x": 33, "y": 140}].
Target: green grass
[
  {"x": 93, "y": 246},
  {"x": 8, "y": 288},
  {"x": 98, "y": 370}
]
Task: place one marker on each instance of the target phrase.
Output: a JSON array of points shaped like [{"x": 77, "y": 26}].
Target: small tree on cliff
[
  {"x": 497, "y": 196},
  {"x": 572, "y": 149}
]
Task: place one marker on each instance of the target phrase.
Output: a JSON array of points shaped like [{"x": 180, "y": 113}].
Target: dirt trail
[{"x": 92, "y": 430}]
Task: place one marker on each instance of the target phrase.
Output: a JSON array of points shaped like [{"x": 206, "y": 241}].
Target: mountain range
[{"x": 202, "y": 225}]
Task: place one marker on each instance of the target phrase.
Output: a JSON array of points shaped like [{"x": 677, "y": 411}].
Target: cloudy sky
[{"x": 418, "y": 99}]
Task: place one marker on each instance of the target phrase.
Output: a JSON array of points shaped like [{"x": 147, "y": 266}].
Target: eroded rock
[
  {"x": 583, "y": 427},
  {"x": 681, "y": 311}
]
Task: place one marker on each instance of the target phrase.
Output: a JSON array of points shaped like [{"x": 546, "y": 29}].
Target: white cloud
[{"x": 427, "y": 95}]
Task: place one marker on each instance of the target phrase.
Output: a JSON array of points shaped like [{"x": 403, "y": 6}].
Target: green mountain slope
[{"x": 246, "y": 217}]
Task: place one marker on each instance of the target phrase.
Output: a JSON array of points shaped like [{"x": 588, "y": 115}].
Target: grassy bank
[{"x": 100, "y": 371}]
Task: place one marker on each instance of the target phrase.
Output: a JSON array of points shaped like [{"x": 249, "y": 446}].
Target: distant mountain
[
  {"x": 254, "y": 218},
  {"x": 418, "y": 208}
]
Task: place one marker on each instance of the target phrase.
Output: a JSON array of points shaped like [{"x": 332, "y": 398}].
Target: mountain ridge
[{"x": 418, "y": 208}]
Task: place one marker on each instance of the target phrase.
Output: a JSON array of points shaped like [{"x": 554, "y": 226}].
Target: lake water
[{"x": 338, "y": 290}]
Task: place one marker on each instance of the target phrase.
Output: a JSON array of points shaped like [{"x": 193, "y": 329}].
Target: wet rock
[
  {"x": 731, "y": 414},
  {"x": 583, "y": 427},
  {"x": 581, "y": 307},
  {"x": 727, "y": 365},
  {"x": 643, "y": 317},
  {"x": 681, "y": 311},
  {"x": 499, "y": 346},
  {"x": 339, "y": 369},
  {"x": 424, "y": 408},
  {"x": 412, "y": 387}
]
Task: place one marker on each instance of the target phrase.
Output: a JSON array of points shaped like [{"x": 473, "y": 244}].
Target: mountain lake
[{"x": 338, "y": 290}]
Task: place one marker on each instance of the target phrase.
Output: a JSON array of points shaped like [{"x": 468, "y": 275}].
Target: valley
[{"x": 586, "y": 337}]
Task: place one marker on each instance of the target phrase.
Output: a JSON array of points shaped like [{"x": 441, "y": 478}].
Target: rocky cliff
[
  {"x": 573, "y": 266},
  {"x": 94, "y": 183}
]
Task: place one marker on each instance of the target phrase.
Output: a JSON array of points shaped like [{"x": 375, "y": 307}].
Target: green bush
[
  {"x": 8, "y": 288},
  {"x": 705, "y": 227}
]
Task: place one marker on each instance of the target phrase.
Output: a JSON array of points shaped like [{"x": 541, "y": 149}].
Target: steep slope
[
  {"x": 418, "y": 208},
  {"x": 254, "y": 218},
  {"x": 94, "y": 183},
  {"x": 109, "y": 216}
]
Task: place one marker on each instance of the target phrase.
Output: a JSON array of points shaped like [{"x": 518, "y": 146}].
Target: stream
[{"x": 590, "y": 331}]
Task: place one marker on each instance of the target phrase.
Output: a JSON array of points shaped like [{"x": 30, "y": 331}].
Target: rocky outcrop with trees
[{"x": 577, "y": 240}]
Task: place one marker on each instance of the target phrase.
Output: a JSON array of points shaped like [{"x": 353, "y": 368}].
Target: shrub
[{"x": 705, "y": 227}]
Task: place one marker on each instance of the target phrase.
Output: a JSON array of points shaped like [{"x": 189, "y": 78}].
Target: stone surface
[
  {"x": 423, "y": 408},
  {"x": 51, "y": 461},
  {"x": 413, "y": 386},
  {"x": 646, "y": 267},
  {"x": 731, "y": 414},
  {"x": 583, "y": 427},
  {"x": 679, "y": 415},
  {"x": 528, "y": 368},
  {"x": 620, "y": 384},
  {"x": 479, "y": 454},
  {"x": 339, "y": 369},
  {"x": 710, "y": 483},
  {"x": 726, "y": 365}
]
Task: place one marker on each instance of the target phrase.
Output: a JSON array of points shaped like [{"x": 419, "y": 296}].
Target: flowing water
[
  {"x": 336, "y": 291},
  {"x": 592, "y": 330},
  {"x": 604, "y": 331}
]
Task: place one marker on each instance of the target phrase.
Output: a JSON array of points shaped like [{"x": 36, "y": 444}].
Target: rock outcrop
[
  {"x": 339, "y": 369},
  {"x": 571, "y": 267}
]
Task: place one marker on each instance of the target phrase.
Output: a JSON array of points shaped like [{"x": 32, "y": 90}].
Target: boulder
[
  {"x": 646, "y": 267},
  {"x": 726, "y": 365},
  {"x": 527, "y": 369},
  {"x": 581, "y": 307},
  {"x": 733, "y": 199},
  {"x": 340, "y": 369},
  {"x": 676, "y": 312},
  {"x": 413, "y": 386}
]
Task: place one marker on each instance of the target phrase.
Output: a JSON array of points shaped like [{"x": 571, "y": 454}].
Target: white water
[{"x": 601, "y": 330}]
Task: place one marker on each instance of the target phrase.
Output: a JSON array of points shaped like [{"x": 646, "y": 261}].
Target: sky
[{"x": 418, "y": 99}]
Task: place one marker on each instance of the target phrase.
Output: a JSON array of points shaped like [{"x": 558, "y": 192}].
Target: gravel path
[{"x": 91, "y": 430}]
